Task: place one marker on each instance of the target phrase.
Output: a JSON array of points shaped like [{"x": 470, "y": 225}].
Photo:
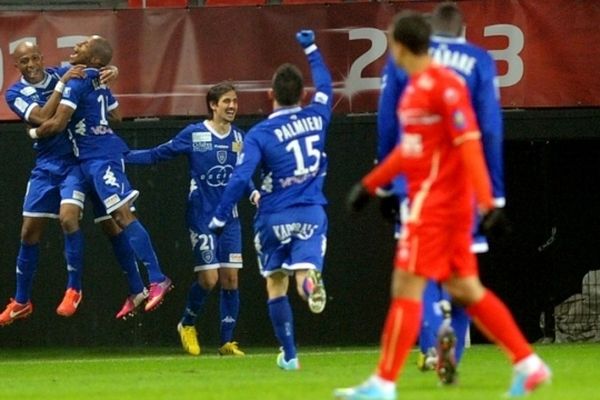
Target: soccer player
[
  {"x": 55, "y": 188},
  {"x": 441, "y": 157},
  {"x": 448, "y": 47},
  {"x": 291, "y": 225},
  {"x": 84, "y": 110},
  {"x": 212, "y": 148}
]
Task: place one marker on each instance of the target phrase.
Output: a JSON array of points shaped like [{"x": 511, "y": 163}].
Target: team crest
[
  {"x": 222, "y": 156},
  {"x": 207, "y": 256}
]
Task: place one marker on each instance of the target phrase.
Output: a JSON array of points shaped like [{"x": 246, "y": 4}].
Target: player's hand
[
  {"x": 255, "y": 198},
  {"x": 495, "y": 224},
  {"x": 306, "y": 38},
  {"x": 358, "y": 197},
  {"x": 108, "y": 74},
  {"x": 76, "y": 71},
  {"x": 216, "y": 226},
  {"x": 389, "y": 207}
]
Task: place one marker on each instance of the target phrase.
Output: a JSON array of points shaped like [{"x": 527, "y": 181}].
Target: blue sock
[
  {"x": 230, "y": 308},
  {"x": 432, "y": 319},
  {"x": 141, "y": 244},
  {"x": 74, "y": 256},
  {"x": 460, "y": 324},
  {"x": 26, "y": 265},
  {"x": 280, "y": 313},
  {"x": 194, "y": 303},
  {"x": 126, "y": 258}
]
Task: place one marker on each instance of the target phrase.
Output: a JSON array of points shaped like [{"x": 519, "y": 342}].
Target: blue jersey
[
  {"x": 22, "y": 97},
  {"x": 211, "y": 156},
  {"x": 88, "y": 128},
  {"x": 478, "y": 69},
  {"x": 290, "y": 146}
]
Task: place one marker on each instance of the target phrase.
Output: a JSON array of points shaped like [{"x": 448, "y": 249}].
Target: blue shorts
[
  {"x": 212, "y": 251},
  {"x": 52, "y": 183},
  {"x": 293, "y": 239},
  {"x": 107, "y": 177}
]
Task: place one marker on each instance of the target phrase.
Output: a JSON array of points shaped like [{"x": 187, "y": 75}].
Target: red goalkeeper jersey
[{"x": 440, "y": 152}]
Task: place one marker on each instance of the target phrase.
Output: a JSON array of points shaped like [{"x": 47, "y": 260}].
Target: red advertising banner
[{"x": 546, "y": 51}]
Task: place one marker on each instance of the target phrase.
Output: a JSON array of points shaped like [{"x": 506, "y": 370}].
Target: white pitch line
[{"x": 178, "y": 357}]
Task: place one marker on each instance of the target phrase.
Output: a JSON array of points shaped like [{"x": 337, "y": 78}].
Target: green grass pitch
[{"x": 167, "y": 373}]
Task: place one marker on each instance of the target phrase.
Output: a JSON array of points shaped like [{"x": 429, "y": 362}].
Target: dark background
[{"x": 552, "y": 175}]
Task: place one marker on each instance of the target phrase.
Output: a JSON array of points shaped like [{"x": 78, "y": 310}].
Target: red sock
[
  {"x": 495, "y": 321},
  {"x": 399, "y": 335}
]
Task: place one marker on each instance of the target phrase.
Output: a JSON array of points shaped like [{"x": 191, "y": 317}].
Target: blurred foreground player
[{"x": 440, "y": 154}]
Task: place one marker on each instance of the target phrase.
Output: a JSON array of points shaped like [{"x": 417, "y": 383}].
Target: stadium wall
[{"x": 552, "y": 172}]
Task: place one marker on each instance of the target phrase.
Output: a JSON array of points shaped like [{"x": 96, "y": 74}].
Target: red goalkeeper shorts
[{"x": 436, "y": 252}]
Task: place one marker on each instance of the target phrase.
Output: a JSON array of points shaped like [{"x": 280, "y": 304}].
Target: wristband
[
  {"x": 60, "y": 87},
  {"x": 310, "y": 49},
  {"x": 33, "y": 133}
]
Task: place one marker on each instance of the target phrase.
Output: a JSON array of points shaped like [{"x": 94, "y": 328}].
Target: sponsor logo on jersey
[
  {"x": 27, "y": 91},
  {"x": 77, "y": 195},
  {"x": 21, "y": 105},
  {"x": 109, "y": 178},
  {"x": 236, "y": 147},
  {"x": 459, "y": 119},
  {"x": 201, "y": 141},
  {"x": 300, "y": 230},
  {"x": 321, "y": 97},
  {"x": 111, "y": 201},
  {"x": 222, "y": 156},
  {"x": 218, "y": 175},
  {"x": 235, "y": 257}
]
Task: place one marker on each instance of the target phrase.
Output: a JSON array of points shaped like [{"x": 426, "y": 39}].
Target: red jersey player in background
[{"x": 441, "y": 157}]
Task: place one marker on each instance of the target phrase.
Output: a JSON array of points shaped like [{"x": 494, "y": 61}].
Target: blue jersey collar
[
  {"x": 43, "y": 84},
  {"x": 285, "y": 111}
]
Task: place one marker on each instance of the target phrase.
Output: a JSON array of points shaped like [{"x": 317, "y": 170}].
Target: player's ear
[
  {"x": 271, "y": 94},
  {"x": 304, "y": 94}
]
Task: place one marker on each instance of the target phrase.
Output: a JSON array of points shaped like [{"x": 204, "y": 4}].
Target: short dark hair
[
  {"x": 287, "y": 84},
  {"x": 447, "y": 19},
  {"x": 102, "y": 50},
  {"x": 412, "y": 30},
  {"x": 215, "y": 93}
]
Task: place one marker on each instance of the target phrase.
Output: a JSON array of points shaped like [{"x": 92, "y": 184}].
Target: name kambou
[{"x": 299, "y": 127}]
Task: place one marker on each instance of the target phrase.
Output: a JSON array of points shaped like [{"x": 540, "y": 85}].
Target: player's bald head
[
  {"x": 25, "y": 47},
  {"x": 101, "y": 50}
]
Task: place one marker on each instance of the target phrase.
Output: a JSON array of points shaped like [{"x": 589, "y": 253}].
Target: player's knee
[
  {"x": 207, "y": 280},
  {"x": 228, "y": 281}
]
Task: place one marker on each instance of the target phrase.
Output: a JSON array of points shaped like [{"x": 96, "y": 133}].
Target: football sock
[
  {"x": 194, "y": 303},
  {"x": 495, "y": 321},
  {"x": 27, "y": 261},
  {"x": 280, "y": 313},
  {"x": 432, "y": 320},
  {"x": 460, "y": 324},
  {"x": 399, "y": 335},
  {"x": 141, "y": 244},
  {"x": 74, "y": 256},
  {"x": 229, "y": 305},
  {"x": 126, "y": 258}
]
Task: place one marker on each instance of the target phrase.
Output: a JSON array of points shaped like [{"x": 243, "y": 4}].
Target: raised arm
[{"x": 319, "y": 71}]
